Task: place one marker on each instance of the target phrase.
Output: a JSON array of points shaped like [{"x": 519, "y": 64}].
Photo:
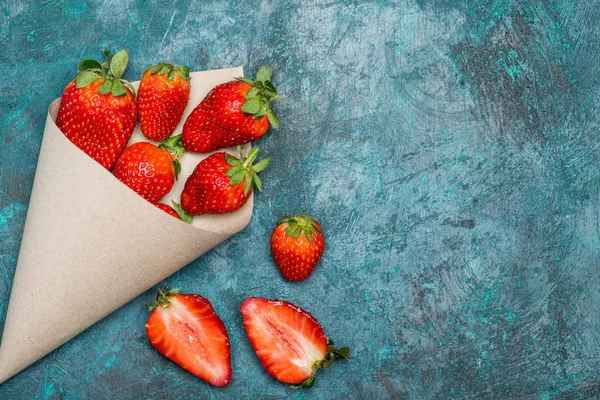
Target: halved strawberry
[
  {"x": 289, "y": 342},
  {"x": 185, "y": 329}
]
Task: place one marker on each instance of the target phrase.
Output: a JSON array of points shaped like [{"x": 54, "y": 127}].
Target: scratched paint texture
[{"x": 450, "y": 149}]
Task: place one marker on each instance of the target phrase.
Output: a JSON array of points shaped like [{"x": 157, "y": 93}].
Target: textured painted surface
[{"x": 450, "y": 149}]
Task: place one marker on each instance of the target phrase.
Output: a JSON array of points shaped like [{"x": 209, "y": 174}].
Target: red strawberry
[
  {"x": 148, "y": 169},
  {"x": 297, "y": 244},
  {"x": 97, "y": 112},
  {"x": 175, "y": 211},
  {"x": 221, "y": 183},
  {"x": 162, "y": 97},
  {"x": 289, "y": 342},
  {"x": 233, "y": 113},
  {"x": 185, "y": 329}
]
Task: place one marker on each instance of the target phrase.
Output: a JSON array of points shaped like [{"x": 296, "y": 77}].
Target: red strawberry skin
[
  {"x": 208, "y": 191},
  {"x": 288, "y": 340},
  {"x": 161, "y": 104},
  {"x": 147, "y": 169},
  {"x": 296, "y": 258},
  {"x": 190, "y": 333},
  {"x": 168, "y": 209},
  {"x": 100, "y": 125},
  {"x": 218, "y": 122}
]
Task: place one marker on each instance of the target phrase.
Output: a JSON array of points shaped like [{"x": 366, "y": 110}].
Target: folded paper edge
[{"x": 4, "y": 375}]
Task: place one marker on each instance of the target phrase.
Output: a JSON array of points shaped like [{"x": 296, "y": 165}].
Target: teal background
[{"x": 450, "y": 149}]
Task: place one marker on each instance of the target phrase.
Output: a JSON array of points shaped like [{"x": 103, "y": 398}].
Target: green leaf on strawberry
[
  {"x": 173, "y": 146},
  {"x": 118, "y": 64},
  {"x": 259, "y": 98},
  {"x": 90, "y": 64},
  {"x": 117, "y": 88},
  {"x": 264, "y": 74},
  {"x": 273, "y": 120},
  {"x": 244, "y": 169},
  {"x": 85, "y": 78},
  {"x": 106, "y": 87},
  {"x": 185, "y": 217},
  {"x": 110, "y": 70}
]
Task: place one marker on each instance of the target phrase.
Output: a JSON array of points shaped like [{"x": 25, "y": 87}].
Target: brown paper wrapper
[{"x": 91, "y": 244}]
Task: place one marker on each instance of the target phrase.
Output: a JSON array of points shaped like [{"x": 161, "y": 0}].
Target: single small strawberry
[
  {"x": 185, "y": 329},
  {"x": 221, "y": 183},
  {"x": 289, "y": 342},
  {"x": 297, "y": 244},
  {"x": 175, "y": 211},
  {"x": 98, "y": 110},
  {"x": 148, "y": 169},
  {"x": 233, "y": 113},
  {"x": 162, "y": 97}
]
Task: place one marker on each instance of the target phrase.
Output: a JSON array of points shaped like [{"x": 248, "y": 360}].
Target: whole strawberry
[
  {"x": 97, "y": 110},
  {"x": 233, "y": 113},
  {"x": 175, "y": 211},
  {"x": 162, "y": 97},
  {"x": 297, "y": 244},
  {"x": 148, "y": 169},
  {"x": 221, "y": 183}
]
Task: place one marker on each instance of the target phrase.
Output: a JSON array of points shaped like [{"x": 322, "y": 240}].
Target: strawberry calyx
[
  {"x": 169, "y": 70},
  {"x": 259, "y": 98},
  {"x": 173, "y": 145},
  {"x": 298, "y": 224},
  {"x": 185, "y": 217},
  {"x": 111, "y": 70},
  {"x": 244, "y": 168},
  {"x": 332, "y": 355},
  {"x": 162, "y": 298}
]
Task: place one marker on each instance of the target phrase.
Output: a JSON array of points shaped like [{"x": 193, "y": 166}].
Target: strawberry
[
  {"x": 162, "y": 97},
  {"x": 148, "y": 169},
  {"x": 97, "y": 112},
  {"x": 233, "y": 113},
  {"x": 297, "y": 244},
  {"x": 289, "y": 342},
  {"x": 221, "y": 183},
  {"x": 185, "y": 329},
  {"x": 175, "y": 211}
]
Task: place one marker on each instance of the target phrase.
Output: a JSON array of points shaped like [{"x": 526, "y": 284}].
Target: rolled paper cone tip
[{"x": 91, "y": 244}]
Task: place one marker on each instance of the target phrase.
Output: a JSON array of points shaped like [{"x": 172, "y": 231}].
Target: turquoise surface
[{"x": 450, "y": 149}]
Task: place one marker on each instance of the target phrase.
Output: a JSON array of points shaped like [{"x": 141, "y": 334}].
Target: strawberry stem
[
  {"x": 307, "y": 383},
  {"x": 251, "y": 157},
  {"x": 332, "y": 354},
  {"x": 162, "y": 298}
]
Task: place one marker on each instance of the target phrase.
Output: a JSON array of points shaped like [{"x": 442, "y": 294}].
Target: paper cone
[{"x": 91, "y": 244}]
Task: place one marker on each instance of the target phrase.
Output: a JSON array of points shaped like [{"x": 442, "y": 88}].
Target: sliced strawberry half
[
  {"x": 185, "y": 329},
  {"x": 289, "y": 342}
]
